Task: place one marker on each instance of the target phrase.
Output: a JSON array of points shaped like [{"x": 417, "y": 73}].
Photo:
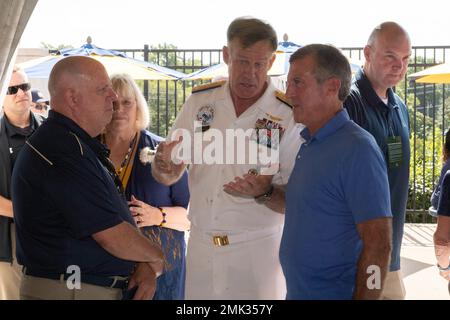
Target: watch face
[
  {"x": 260, "y": 199},
  {"x": 265, "y": 197}
]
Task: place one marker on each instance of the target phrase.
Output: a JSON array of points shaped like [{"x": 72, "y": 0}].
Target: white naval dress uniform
[{"x": 248, "y": 266}]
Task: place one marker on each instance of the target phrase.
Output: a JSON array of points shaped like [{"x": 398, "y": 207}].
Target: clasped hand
[{"x": 249, "y": 185}]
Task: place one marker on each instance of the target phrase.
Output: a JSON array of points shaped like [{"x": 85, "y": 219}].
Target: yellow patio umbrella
[{"x": 436, "y": 74}]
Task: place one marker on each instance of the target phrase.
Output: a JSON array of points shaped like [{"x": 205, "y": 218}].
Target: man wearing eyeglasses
[{"x": 17, "y": 123}]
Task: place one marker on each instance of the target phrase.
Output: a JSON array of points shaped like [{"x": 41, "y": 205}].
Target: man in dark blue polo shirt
[
  {"x": 375, "y": 107},
  {"x": 17, "y": 123},
  {"x": 75, "y": 236}
]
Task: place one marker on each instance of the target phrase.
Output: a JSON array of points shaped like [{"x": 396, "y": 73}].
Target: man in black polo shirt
[
  {"x": 75, "y": 235},
  {"x": 375, "y": 107},
  {"x": 17, "y": 123}
]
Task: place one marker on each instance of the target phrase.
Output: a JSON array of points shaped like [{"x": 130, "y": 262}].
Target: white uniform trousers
[{"x": 247, "y": 268}]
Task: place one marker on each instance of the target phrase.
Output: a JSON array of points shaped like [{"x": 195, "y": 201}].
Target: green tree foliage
[
  {"x": 167, "y": 97},
  {"x": 425, "y": 167},
  {"x": 165, "y": 106},
  {"x": 428, "y": 122}
]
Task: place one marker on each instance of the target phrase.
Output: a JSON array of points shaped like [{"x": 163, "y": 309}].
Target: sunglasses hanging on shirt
[{"x": 13, "y": 89}]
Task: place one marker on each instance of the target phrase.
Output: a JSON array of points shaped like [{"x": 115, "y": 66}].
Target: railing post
[{"x": 146, "y": 52}]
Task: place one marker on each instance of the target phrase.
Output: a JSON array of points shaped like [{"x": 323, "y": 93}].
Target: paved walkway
[
  {"x": 421, "y": 277},
  {"x": 422, "y": 280}
]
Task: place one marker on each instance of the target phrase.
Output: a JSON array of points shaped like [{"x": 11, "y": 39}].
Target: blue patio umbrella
[
  {"x": 114, "y": 62},
  {"x": 288, "y": 48}
]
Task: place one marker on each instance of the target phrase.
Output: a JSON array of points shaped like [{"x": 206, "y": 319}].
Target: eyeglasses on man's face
[{"x": 13, "y": 89}]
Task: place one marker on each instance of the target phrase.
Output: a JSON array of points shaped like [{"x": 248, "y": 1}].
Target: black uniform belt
[{"x": 116, "y": 282}]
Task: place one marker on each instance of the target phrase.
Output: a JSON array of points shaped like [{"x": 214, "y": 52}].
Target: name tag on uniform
[{"x": 395, "y": 152}]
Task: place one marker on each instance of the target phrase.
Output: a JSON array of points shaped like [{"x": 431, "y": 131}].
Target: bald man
[
  {"x": 75, "y": 235},
  {"x": 374, "y": 106}
]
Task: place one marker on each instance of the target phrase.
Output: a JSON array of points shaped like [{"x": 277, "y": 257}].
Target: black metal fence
[
  {"x": 427, "y": 103},
  {"x": 429, "y": 119}
]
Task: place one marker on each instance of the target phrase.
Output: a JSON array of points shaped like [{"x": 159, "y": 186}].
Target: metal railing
[
  {"x": 429, "y": 119},
  {"x": 427, "y": 103}
]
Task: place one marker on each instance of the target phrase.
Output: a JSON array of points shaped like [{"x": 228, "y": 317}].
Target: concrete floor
[{"x": 421, "y": 277}]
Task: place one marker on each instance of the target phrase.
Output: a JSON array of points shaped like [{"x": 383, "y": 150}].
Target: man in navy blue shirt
[
  {"x": 337, "y": 232},
  {"x": 442, "y": 234},
  {"x": 374, "y": 106},
  {"x": 17, "y": 124},
  {"x": 75, "y": 235}
]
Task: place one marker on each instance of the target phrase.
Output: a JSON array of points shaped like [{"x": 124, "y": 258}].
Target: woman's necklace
[{"x": 127, "y": 156}]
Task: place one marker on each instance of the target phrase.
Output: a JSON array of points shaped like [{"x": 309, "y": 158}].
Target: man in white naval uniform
[{"x": 234, "y": 241}]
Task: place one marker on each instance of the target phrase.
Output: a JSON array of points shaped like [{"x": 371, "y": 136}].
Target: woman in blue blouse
[
  {"x": 159, "y": 210},
  {"x": 445, "y": 167},
  {"x": 442, "y": 234}
]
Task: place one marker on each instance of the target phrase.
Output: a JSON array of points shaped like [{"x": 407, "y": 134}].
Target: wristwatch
[
  {"x": 443, "y": 269},
  {"x": 265, "y": 197}
]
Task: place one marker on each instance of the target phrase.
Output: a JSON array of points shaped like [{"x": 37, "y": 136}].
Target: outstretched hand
[{"x": 163, "y": 157}]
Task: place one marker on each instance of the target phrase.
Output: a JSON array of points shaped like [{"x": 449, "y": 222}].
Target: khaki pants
[
  {"x": 10, "y": 274},
  {"x": 34, "y": 288},
  {"x": 394, "y": 289}
]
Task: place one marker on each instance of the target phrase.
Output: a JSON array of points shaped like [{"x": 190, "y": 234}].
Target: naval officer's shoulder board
[
  {"x": 208, "y": 86},
  {"x": 281, "y": 96}
]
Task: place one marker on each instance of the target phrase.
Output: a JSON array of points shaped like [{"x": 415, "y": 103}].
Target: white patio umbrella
[
  {"x": 114, "y": 62},
  {"x": 279, "y": 68},
  {"x": 38, "y": 70}
]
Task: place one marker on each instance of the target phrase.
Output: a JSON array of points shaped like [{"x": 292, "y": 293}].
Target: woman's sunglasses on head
[{"x": 13, "y": 89}]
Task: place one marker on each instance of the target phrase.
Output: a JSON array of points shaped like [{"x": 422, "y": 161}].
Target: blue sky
[{"x": 202, "y": 23}]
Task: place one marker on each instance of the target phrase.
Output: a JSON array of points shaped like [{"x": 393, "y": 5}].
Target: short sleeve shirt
[
  {"x": 210, "y": 207},
  {"x": 383, "y": 121},
  {"x": 339, "y": 180},
  {"x": 437, "y": 192},
  {"x": 444, "y": 200},
  {"x": 62, "y": 194},
  {"x": 17, "y": 136}
]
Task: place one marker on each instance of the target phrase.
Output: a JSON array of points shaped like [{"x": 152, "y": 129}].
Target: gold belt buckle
[{"x": 220, "y": 241}]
